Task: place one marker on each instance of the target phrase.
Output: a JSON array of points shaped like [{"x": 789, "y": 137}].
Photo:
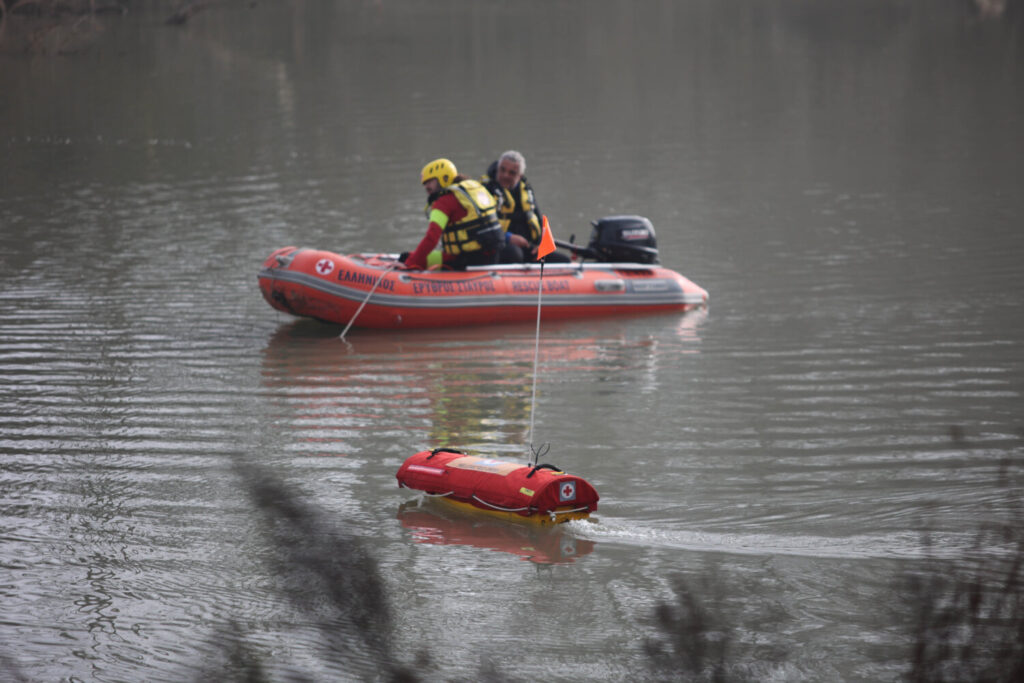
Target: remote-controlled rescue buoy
[{"x": 535, "y": 493}]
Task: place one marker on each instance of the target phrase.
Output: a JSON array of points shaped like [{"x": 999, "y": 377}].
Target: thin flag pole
[
  {"x": 546, "y": 246},
  {"x": 536, "y": 358}
]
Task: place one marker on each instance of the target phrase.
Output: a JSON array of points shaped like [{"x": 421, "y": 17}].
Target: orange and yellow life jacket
[
  {"x": 517, "y": 209},
  {"x": 479, "y": 229}
]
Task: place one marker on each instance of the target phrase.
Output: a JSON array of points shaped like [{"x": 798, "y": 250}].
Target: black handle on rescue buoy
[
  {"x": 545, "y": 466},
  {"x": 442, "y": 449}
]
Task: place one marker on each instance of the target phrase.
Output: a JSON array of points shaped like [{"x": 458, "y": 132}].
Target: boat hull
[{"x": 332, "y": 288}]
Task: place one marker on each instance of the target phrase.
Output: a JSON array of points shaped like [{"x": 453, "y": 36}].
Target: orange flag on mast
[{"x": 547, "y": 241}]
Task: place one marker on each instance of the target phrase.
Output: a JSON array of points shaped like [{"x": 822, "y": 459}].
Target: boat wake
[{"x": 902, "y": 545}]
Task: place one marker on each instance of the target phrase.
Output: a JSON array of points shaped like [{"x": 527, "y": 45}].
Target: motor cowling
[{"x": 624, "y": 239}]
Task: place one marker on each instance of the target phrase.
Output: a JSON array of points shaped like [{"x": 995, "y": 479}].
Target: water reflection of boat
[
  {"x": 467, "y": 388},
  {"x": 332, "y": 288},
  {"x": 432, "y": 521}
]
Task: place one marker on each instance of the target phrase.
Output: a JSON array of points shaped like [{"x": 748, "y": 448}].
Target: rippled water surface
[{"x": 843, "y": 178}]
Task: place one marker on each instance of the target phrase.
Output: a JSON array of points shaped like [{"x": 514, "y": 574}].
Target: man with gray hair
[{"x": 517, "y": 207}]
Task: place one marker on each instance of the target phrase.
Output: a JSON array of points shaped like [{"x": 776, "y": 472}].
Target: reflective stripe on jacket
[{"x": 479, "y": 229}]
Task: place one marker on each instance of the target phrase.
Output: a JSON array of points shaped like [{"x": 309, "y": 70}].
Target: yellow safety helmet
[{"x": 442, "y": 169}]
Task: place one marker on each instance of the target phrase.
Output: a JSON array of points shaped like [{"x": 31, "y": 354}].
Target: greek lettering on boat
[
  {"x": 365, "y": 279},
  {"x": 453, "y": 287}
]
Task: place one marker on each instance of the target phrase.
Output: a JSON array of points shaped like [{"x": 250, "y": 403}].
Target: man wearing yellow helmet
[{"x": 462, "y": 214}]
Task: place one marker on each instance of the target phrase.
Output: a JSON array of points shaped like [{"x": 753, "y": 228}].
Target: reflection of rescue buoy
[
  {"x": 434, "y": 521},
  {"x": 540, "y": 493}
]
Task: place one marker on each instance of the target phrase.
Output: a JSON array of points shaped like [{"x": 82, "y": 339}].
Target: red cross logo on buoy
[
  {"x": 567, "y": 492},
  {"x": 325, "y": 266}
]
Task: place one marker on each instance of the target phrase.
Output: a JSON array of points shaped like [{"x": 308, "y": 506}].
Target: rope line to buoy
[
  {"x": 402, "y": 485},
  {"x": 368, "y": 295},
  {"x": 567, "y": 512},
  {"x": 536, "y": 357},
  {"x": 498, "y": 507}
]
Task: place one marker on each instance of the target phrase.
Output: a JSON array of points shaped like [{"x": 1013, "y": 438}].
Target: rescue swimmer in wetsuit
[
  {"x": 517, "y": 209},
  {"x": 463, "y": 215}
]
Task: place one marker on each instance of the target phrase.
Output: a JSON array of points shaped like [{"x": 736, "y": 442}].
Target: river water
[{"x": 842, "y": 177}]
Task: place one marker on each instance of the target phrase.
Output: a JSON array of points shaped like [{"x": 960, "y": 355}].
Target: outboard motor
[{"x": 623, "y": 239}]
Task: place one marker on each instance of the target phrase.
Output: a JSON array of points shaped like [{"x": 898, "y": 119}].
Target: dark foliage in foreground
[
  {"x": 697, "y": 635},
  {"x": 968, "y": 622},
  {"x": 694, "y": 642},
  {"x": 968, "y": 613},
  {"x": 330, "y": 578}
]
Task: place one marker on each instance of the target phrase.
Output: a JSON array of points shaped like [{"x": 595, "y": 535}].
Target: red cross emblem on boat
[
  {"x": 567, "y": 492},
  {"x": 324, "y": 266}
]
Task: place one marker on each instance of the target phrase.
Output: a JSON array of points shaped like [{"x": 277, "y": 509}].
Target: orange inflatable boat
[
  {"x": 331, "y": 288},
  {"x": 539, "y": 493}
]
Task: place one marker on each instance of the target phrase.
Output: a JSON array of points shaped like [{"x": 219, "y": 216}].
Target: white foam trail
[{"x": 901, "y": 545}]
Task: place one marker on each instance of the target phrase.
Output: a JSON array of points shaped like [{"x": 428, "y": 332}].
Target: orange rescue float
[{"x": 533, "y": 493}]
